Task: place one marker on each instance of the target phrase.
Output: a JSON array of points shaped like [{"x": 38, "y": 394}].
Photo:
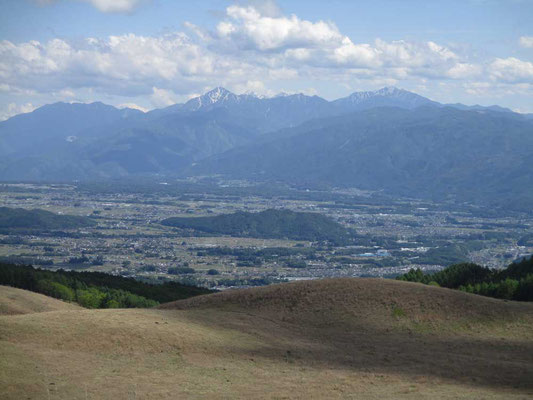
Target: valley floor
[{"x": 338, "y": 338}]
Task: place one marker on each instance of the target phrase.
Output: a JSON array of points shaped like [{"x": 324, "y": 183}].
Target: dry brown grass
[
  {"x": 341, "y": 338},
  {"x": 15, "y": 301}
]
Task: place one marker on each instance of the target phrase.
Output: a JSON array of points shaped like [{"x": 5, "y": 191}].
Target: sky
[{"x": 150, "y": 54}]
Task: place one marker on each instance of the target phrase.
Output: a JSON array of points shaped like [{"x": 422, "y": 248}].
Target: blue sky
[{"x": 152, "y": 53}]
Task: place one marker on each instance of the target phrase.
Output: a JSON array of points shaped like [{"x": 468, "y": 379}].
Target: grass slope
[
  {"x": 15, "y": 301},
  {"x": 338, "y": 338}
]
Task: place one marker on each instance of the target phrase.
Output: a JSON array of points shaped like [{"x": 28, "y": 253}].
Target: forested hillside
[
  {"x": 512, "y": 283},
  {"x": 94, "y": 289},
  {"x": 272, "y": 223},
  {"x": 14, "y": 218}
]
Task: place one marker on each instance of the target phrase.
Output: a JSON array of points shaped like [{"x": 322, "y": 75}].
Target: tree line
[
  {"x": 515, "y": 282},
  {"x": 94, "y": 289}
]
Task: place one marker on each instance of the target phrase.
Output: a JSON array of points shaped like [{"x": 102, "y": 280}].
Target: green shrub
[{"x": 397, "y": 312}]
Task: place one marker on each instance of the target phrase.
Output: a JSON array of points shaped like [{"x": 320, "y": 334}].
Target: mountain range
[{"x": 390, "y": 139}]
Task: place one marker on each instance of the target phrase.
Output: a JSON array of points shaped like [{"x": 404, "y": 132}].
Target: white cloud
[
  {"x": 282, "y": 39},
  {"x": 268, "y": 8},
  {"x": 511, "y": 70},
  {"x": 162, "y": 97},
  {"x": 66, "y": 93},
  {"x": 464, "y": 70},
  {"x": 356, "y": 55},
  {"x": 118, "y": 64},
  {"x": 256, "y": 87},
  {"x": 115, "y": 6},
  {"x": 478, "y": 88},
  {"x": 283, "y": 74},
  {"x": 422, "y": 59},
  {"x": 14, "y": 109},
  {"x": 526, "y": 41},
  {"x": 497, "y": 89},
  {"x": 133, "y": 106},
  {"x": 251, "y": 47},
  {"x": 248, "y": 28}
]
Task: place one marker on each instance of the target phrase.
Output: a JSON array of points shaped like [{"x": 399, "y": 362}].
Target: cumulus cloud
[
  {"x": 526, "y": 41},
  {"x": 248, "y": 28},
  {"x": 255, "y": 87},
  {"x": 14, "y": 109},
  {"x": 511, "y": 70},
  {"x": 464, "y": 70},
  {"x": 251, "y": 46},
  {"x": 162, "y": 97},
  {"x": 126, "y": 63},
  {"x": 286, "y": 39},
  {"x": 356, "y": 55}
]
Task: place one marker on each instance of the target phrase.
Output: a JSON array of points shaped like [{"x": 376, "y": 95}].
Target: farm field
[{"x": 392, "y": 235}]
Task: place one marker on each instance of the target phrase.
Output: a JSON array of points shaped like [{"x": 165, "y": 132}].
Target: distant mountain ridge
[
  {"x": 385, "y": 97},
  {"x": 65, "y": 142},
  {"x": 425, "y": 152}
]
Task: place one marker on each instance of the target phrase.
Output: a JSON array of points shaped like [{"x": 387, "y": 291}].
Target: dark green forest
[
  {"x": 512, "y": 283},
  {"x": 94, "y": 289},
  {"x": 18, "y": 218},
  {"x": 269, "y": 224}
]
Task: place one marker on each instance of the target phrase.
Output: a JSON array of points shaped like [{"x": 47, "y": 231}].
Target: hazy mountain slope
[
  {"x": 386, "y": 97},
  {"x": 166, "y": 144},
  {"x": 93, "y": 141},
  {"x": 87, "y": 141},
  {"x": 423, "y": 152},
  {"x": 257, "y": 114},
  {"x": 53, "y": 125},
  {"x": 319, "y": 339},
  {"x": 120, "y": 147}
]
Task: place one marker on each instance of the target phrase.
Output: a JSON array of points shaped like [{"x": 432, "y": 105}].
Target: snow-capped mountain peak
[
  {"x": 390, "y": 91},
  {"x": 216, "y": 95},
  {"x": 387, "y": 96}
]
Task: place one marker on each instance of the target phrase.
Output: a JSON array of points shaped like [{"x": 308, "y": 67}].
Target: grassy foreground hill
[
  {"x": 268, "y": 224},
  {"x": 335, "y": 338},
  {"x": 14, "y": 301}
]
